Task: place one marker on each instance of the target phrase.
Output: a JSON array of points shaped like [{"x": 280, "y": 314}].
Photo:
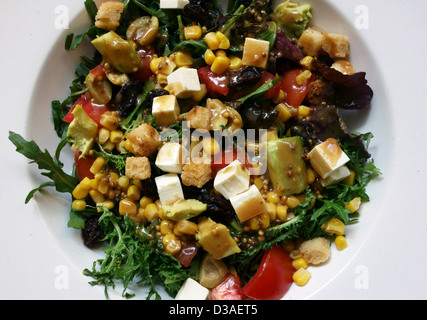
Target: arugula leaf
[
  {"x": 62, "y": 182},
  {"x": 261, "y": 90}
]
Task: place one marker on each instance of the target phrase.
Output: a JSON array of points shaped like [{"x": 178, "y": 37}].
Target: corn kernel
[
  {"x": 235, "y": 62},
  {"x": 311, "y": 176},
  {"x": 306, "y": 62},
  {"x": 220, "y": 53},
  {"x": 187, "y": 227},
  {"x": 301, "y": 277},
  {"x": 183, "y": 59},
  {"x": 354, "y": 204},
  {"x": 79, "y": 192},
  {"x": 212, "y": 41},
  {"x": 97, "y": 165},
  {"x": 158, "y": 204},
  {"x": 304, "y": 111},
  {"x": 351, "y": 178},
  {"x": 154, "y": 65},
  {"x": 133, "y": 192},
  {"x": 273, "y": 197},
  {"x": 128, "y": 146},
  {"x": 171, "y": 243},
  {"x": 78, "y": 205},
  {"x": 123, "y": 182},
  {"x": 166, "y": 227},
  {"x": 333, "y": 226},
  {"x": 264, "y": 219},
  {"x": 271, "y": 210},
  {"x": 127, "y": 207},
  {"x": 303, "y": 77},
  {"x": 292, "y": 202},
  {"x": 341, "y": 243},
  {"x": 192, "y": 33},
  {"x": 107, "y": 204},
  {"x": 224, "y": 43},
  {"x": 209, "y": 57},
  {"x": 85, "y": 183},
  {"x": 220, "y": 64},
  {"x": 284, "y": 112},
  {"x": 198, "y": 96},
  {"x": 116, "y": 136},
  {"x": 103, "y": 186},
  {"x": 151, "y": 212},
  {"x": 114, "y": 177},
  {"x": 96, "y": 196},
  {"x": 282, "y": 212},
  {"x": 144, "y": 201},
  {"x": 299, "y": 263},
  {"x": 103, "y": 135},
  {"x": 177, "y": 232},
  {"x": 109, "y": 120}
]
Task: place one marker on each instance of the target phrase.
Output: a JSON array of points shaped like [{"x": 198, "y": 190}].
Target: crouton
[
  {"x": 200, "y": 118},
  {"x": 315, "y": 251},
  {"x": 145, "y": 140},
  {"x": 196, "y": 173},
  {"x": 138, "y": 168},
  {"x": 311, "y": 41},
  {"x": 109, "y": 14},
  {"x": 336, "y": 45}
]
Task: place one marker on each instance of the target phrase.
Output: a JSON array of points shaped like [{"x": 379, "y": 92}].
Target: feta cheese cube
[
  {"x": 169, "y": 188},
  {"x": 165, "y": 110},
  {"x": 171, "y": 157},
  {"x": 173, "y": 4},
  {"x": 256, "y": 52},
  {"x": 184, "y": 82},
  {"x": 248, "y": 204},
  {"x": 232, "y": 179},
  {"x": 327, "y": 157},
  {"x": 192, "y": 290},
  {"x": 336, "y": 176}
]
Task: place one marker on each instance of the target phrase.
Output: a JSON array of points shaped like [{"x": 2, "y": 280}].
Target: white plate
[{"x": 40, "y": 258}]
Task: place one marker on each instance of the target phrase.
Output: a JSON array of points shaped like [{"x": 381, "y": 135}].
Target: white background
[{"x": 393, "y": 256}]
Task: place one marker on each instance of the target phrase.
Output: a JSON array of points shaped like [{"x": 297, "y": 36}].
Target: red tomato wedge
[
  {"x": 94, "y": 111},
  {"x": 98, "y": 71},
  {"x": 294, "y": 93},
  {"x": 144, "y": 73},
  {"x": 83, "y": 165},
  {"x": 229, "y": 289},
  {"x": 215, "y": 83},
  {"x": 273, "y": 277},
  {"x": 189, "y": 250},
  {"x": 273, "y": 92}
]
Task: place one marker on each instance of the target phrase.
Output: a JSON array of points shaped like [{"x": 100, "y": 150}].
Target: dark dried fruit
[
  {"x": 245, "y": 76},
  {"x": 256, "y": 115},
  {"x": 154, "y": 94},
  {"x": 127, "y": 98},
  {"x": 92, "y": 233}
]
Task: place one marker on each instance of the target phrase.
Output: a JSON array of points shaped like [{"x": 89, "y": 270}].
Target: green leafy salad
[{"x": 211, "y": 158}]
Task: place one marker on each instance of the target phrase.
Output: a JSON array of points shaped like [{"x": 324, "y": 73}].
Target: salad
[{"x": 210, "y": 152}]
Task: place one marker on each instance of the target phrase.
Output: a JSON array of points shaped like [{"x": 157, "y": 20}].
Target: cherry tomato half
[
  {"x": 94, "y": 111},
  {"x": 229, "y": 289},
  {"x": 273, "y": 277},
  {"x": 215, "y": 83},
  {"x": 83, "y": 165},
  {"x": 294, "y": 93},
  {"x": 273, "y": 92}
]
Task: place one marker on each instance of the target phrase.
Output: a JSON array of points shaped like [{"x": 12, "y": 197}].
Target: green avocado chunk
[
  {"x": 186, "y": 209},
  {"x": 119, "y": 53},
  {"x": 292, "y": 18},
  {"x": 215, "y": 238},
  {"x": 82, "y": 131},
  {"x": 286, "y": 165}
]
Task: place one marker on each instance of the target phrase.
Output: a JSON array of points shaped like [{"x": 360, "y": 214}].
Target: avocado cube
[{"x": 286, "y": 165}]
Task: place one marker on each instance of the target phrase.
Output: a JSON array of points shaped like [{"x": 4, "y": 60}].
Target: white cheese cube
[
  {"x": 173, "y": 4},
  {"x": 192, "y": 290},
  {"x": 166, "y": 110},
  {"x": 184, "y": 82},
  {"x": 336, "y": 176},
  {"x": 169, "y": 188},
  {"x": 171, "y": 157},
  {"x": 256, "y": 52},
  {"x": 248, "y": 204},
  {"x": 327, "y": 157},
  {"x": 232, "y": 180}
]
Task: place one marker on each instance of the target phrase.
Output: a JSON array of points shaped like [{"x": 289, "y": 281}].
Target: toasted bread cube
[
  {"x": 145, "y": 140},
  {"x": 336, "y": 45},
  {"x": 138, "y": 168},
  {"x": 109, "y": 14},
  {"x": 200, "y": 118},
  {"x": 196, "y": 173},
  {"x": 256, "y": 52},
  {"x": 311, "y": 41}
]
